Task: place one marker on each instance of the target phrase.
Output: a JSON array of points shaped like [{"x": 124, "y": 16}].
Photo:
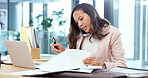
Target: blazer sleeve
[{"x": 117, "y": 51}]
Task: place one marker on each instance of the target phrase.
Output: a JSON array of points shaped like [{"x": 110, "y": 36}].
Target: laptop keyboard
[{"x": 36, "y": 64}]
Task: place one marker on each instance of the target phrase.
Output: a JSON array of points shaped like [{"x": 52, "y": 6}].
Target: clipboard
[{"x": 35, "y": 52}]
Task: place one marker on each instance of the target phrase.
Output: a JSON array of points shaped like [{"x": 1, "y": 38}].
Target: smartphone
[{"x": 83, "y": 32}]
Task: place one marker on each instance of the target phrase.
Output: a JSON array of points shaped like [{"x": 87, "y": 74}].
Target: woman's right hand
[{"x": 59, "y": 48}]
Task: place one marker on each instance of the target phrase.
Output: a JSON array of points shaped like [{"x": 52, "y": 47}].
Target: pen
[{"x": 54, "y": 41}]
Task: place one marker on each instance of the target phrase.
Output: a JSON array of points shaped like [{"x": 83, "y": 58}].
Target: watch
[{"x": 104, "y": 66}]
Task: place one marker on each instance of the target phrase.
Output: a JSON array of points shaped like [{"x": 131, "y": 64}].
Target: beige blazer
[{"x": 110, "y": 50}]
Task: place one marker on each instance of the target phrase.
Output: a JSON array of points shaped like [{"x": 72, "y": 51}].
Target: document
[
  {"x": 131, "y": 72},
  {"x": 28, "y": 73},
  {"x": 127, "y": 70},
  {"x": 69, "y": 60},
  {"x": 32, "y": 37},
  {"x": 40, "y": 72}
]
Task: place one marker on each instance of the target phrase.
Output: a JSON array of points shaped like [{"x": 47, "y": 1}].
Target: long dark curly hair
[{"x": 96, "y": 24}]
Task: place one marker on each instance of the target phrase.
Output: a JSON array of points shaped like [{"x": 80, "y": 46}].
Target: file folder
[{"x": 35, "y": 52}]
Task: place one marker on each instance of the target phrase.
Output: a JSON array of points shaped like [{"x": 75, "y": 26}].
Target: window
[{"x": 132, "y": 22}]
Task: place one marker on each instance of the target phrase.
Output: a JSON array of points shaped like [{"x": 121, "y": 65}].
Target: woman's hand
[
  {"x": 92, "y": 61},
  {"x": 59, "y": 48}
]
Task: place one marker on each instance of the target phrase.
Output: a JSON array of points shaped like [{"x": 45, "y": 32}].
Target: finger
[
  {"x": 87, "y": 61},
  {"x": 57, "y": 44},
  {"x": 59, "y": 51},
  {"x": 54, "y": 49},
  {"x": 94, "y": 63},
  {"x": 51, "y": 44},
  {"x": 84, "y": 61},
  {"x": 88, "y": 58},
  {"x": 91, "y": 60},
  {"x": 93, "y": 57}
]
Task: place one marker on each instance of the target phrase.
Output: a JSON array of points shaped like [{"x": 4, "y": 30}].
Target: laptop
[{"x": 19, "y": 54}]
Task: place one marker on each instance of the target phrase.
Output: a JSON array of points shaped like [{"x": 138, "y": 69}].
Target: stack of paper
[
  {"x": 130, "y": 72},
  {"x": 32, "y": 37},
  {"x": 69, "y": 59},
  {"x": 65, "y": 61}
]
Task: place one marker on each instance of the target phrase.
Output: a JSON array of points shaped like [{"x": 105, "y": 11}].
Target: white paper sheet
[
  {"x": 82, "y": 70},
  {"x": 32, "y": 37},
  {"x": 127, "y": 71},
  {"x": 30, "y": 72},
  {"x": 77, "y": 56},
  {"x": 65, "y": 61},
  {"x": 69, "y": 59},
  {"x": 60, "y": 62}
]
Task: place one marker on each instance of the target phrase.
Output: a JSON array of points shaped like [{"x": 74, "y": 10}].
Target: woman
[{"x": 91, "y": 33}]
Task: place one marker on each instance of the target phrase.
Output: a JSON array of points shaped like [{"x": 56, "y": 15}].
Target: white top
[
  {"x": 109, "y": 48},
  {"x": 90, "y": 46}
]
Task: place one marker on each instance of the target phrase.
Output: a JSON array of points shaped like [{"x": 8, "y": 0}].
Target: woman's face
[{"x": 83, "y": 20}]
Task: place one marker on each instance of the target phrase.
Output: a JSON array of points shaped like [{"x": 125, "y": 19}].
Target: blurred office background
[{"x": 51, "y": 18}]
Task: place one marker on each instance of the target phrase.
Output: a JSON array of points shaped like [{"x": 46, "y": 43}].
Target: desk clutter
[
  {"x": 130, "y": 72},
  {"x": 62, "y": 62},
  {"x": 64, "y": 65}
]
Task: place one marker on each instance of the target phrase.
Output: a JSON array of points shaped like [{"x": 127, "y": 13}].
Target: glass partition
[
  {"x": 133, "y": 23},
  {"x": 3, "y": 25},
  {"x": 49, "y": 18}
]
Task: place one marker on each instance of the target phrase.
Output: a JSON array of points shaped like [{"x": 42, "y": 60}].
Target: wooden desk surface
[{"x": 10, "y": 68}]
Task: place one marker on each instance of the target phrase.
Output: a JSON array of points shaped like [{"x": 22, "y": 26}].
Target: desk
[
  {"x": 10, "y": 68},
  {"x": 96, "y": 74}
]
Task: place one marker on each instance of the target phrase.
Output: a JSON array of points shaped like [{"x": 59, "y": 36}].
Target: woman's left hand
[{"x": 91, "y": 61}]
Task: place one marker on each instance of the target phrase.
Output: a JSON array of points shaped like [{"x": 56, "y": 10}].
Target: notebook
[{"x": 19, "y": 54}]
